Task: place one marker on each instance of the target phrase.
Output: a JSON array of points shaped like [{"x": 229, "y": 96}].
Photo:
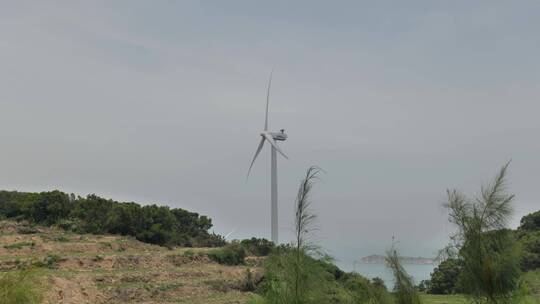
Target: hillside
[
  {"x": 87, "y": 268},
  {"x": 154, "y": 224}
]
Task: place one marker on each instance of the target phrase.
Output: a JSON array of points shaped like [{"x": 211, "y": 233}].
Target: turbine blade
[
  {"x": 273, "y": 143},
  {"x": 229, "y": 234},
  {"x": 268, "y": 100},
  {"x": 259, "y": 148}
]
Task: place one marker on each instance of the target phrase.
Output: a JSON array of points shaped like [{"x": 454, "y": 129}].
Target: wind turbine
[{"x": 271, "y": 138}]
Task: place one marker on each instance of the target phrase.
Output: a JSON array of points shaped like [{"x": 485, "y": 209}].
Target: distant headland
[{"x": 379, "y": 259}]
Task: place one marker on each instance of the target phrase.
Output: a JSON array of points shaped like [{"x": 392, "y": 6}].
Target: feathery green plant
[
  {"x": 488, "y": 251},
  {"x": 405, "y": 292},
  {"x": 303, "y": 224},
  {"x": 293, "y": 276},
  {"x": 304, "y": 218}
]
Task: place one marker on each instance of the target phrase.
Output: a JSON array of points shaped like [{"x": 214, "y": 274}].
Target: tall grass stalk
[{"x": 303, "y": 224}]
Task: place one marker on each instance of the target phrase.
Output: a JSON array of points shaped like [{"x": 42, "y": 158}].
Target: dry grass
[{"x": 113, "y": 269}]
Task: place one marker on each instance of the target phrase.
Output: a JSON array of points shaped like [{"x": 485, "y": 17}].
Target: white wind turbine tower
[{"x": 272, "y": 138}]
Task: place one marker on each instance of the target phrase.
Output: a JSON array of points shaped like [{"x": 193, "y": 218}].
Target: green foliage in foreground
[
  {"x": 294, "y": 276},
  {"x": 320, "y": 281},
  {"x": 404, "y": 290},
  {"x": 488, "y": 252},
  {"x": 445, "y": 277},
  {"x": 443, "y": 299},
  {"x": 462, "y": 299},
  {"x": 19, "y": 287},
  {"x": 284, "y": 284},
  {"x": 530, "y": 283},
  {"x": 92, "y": 214},
  {"x": 530, "y": 246},
  {"x": 528, "y": 235}
]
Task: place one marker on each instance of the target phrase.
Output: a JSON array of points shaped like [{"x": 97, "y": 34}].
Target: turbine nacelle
[
  {"x": 280, "y": 136},
  {"x": 271, "y": 138}
]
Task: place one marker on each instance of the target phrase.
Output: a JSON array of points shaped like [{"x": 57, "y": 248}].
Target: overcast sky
[{"x": 162, "y": 102}]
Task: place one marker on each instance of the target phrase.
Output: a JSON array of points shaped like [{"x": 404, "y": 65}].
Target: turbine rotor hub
[{"x": 280, "y": 136}]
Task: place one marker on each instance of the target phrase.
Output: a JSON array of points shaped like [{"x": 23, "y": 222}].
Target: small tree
[
  {"x": 404, "y": 288},
  {"x": 490, "y": 259}
]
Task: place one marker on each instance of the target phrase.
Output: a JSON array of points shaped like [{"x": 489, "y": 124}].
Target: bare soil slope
[{"x": 115, "y": 269}]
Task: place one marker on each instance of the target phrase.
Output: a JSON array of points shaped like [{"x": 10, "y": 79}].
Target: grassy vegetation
[
  {"x": 233, "y": 254},
  {"x": 19, "y": 287},
  {"x": 300, "y": 273},
  {"x": 19, "y": 245},
  {"x": 443, "y": 299},
  {"x": 531, "y": 281},
  {"x": 117, "y": 269}
]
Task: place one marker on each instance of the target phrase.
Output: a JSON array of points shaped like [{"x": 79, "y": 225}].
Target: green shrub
[
  {"x": 282, "y": 284},
  {"x": 530, "y": 245},
  {"x": 257, "y": 247},
  {"x": 50, "y": 261},
  {"x": 378, "y": 283},
  {"x": 444, "y": 277},
  {"x": 62, "y": 239},
  {"x": 18, "y": 288},
  {"x": 170, "y": 286},
  {"x": 98, "y": 258},
  {"x": 220, "y": 285},
  {"x": 233, "y": 254},
  {"x": 248, "y": 283},
  {"x": 207, "y": 240},
  {"x": 530, "y": 222},
  {"x": 27, "y": 230},
  {"x": 154, "y": 224},
  {"x": 364, "y": 291},
  {"x": 68, "y": 224},
  {"x": 19, "y": 245},
  {"x": 318, "y": 282}
]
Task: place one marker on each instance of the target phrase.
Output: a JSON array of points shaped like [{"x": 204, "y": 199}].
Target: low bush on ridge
[
  {"x": 153, "y": 224},
  {"x": 257, "y": 247},
  {"x": 232, "y": 254}
]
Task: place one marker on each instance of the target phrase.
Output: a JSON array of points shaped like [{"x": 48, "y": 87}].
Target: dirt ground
[{"x": 109, "y": 269}]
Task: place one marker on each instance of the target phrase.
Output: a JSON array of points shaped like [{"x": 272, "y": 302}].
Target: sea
[{"x": 417, "y": 272}]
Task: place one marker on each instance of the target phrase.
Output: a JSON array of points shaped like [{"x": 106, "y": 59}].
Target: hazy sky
[{"x": 162, "y": 102}]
